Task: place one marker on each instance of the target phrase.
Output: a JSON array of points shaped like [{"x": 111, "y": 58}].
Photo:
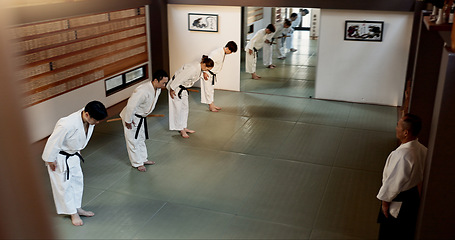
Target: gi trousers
[
  {"x": 67, "y": 192},
  {"x": 137, "y": 150},
  {"x": 178, "y": 111}
]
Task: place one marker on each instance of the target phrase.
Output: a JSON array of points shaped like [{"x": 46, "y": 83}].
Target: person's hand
[
  {"x": 385, "y": 208},
  {"x": 52, "y": 165},
  {"x": 206, "y": 76},
  {"x": 250, "y": 51},
  {"x": 129, "y": 125},
  {"x": 172, "y": 93},
  {"x": 267, "y": 41}
]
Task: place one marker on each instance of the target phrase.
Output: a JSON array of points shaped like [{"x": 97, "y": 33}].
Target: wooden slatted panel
[
  {"x": 87, "y": 20},
  {"x": 45, "y": 41},
  {"x": 36, "y": 29},
  {"x": 60, "y": 56},
  {"x": 77, "y": 46},
  {"x": 66, "y": 86},
  {"x": 81, "y": 56},
  {"x": 109, "y": 27},
  {"x": 33, "y": 84}
]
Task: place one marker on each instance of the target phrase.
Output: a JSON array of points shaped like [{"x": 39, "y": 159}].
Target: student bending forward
[{"x": 178, "y": 86}]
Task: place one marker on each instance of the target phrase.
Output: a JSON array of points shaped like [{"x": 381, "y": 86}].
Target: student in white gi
[
  {"x": 178, "y": 86},
  {"x": 134, "y": 118},
  {"x": 208, "y": 87},
  {"x": 296, "y": 20},
  {"x": 274, "y": 43},
  {"x": 252, "y": 48},
  {"x": 62, "y": 156},
  {"x": 401, "y": 182}
]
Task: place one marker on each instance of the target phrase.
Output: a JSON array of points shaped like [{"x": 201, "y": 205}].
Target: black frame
[
  {"x": 124, "y": 83},
  {"x": 194, "y": 25},
  {"x": 370, "y": 31}
]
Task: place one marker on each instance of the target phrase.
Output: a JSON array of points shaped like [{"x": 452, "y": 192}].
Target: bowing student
[
  {"x": 252, "y": 48},
  {"x": 208, "y": 87},
  {"x": 274, "y": 43},
  {"x": 134, "y": 118},
  {"x": 62, "y": 156},
  {"x": 178, "y": 85}
]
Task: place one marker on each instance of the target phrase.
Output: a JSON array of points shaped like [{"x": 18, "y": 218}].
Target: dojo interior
[{"x": 297, "y": 154}]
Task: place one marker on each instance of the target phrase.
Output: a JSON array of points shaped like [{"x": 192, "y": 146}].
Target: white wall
[
  {"x": 187, "y": 46},
  {"x": 358, "y": 71}
]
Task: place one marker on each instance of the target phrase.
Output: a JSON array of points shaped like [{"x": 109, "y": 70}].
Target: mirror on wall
[{"x": 286, "y": 65}]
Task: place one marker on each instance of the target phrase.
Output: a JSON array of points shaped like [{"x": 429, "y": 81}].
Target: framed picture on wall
[
  {"x": 202, "y": 22},
  {"x": 363, "y": 30}
]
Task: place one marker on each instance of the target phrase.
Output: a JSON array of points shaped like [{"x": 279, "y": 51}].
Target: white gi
[
  {"x": 294, "y": 24},
  {"x": 186, "y": 76},
  {"x": 403, "y": 170},
  {"x": 142, "y": 102},
  {"x": 268, "y": 49},
  {"x": 68, "y": 136},
  {"x": 207, "y": 86},
  {"x": 256, "y": 43}
]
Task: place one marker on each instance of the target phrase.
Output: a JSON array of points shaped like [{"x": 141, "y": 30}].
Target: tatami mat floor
[{"x": 273, "y": 164}]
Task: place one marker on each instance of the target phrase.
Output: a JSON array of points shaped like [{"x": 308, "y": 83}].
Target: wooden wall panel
[{"x": 62, "y": 55}]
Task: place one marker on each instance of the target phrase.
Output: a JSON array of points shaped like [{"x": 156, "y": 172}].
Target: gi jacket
[
  {"x": 68, "y": 135},
  {"x": 186, "y": 76},
  {"x": 403, "y": 170},
  {"x": 142, "y": 102}
]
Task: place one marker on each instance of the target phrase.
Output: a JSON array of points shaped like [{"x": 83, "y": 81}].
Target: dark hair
[
  {"x": 412, "y": 123},
  {"x": 96, "y": 110},
  {"x": 287, "y": 22},
  {"x": 293, "y": 15},
  {"x": 305, "y": 11},
  {"x": 271, "y": 27},
  {"x": 159, "y": 75},
  {"x": 208, "y": 61},
  {"x": 232, "y": 46}
]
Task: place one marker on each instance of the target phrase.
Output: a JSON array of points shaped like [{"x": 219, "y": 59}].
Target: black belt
[
  {"x": 66, "y": 161},
  {"x": 271, "y": 42},
  {"x": 143, "y": 119},
  {"x": 213, "y": 77},
  {"x": 182, "y": 88},
  {"x": 255, "y": 52}
]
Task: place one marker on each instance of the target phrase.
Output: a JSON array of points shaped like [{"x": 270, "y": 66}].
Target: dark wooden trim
[
  {"x": 384, "y": 5},
  {"x": 159, "y": 40}
]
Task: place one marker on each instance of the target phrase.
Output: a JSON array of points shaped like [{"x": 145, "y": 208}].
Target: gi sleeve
[
  {"x": 393, "y": 184},
  {"x": 54, "y": 143},
  {"x": 133, "y": 103}
]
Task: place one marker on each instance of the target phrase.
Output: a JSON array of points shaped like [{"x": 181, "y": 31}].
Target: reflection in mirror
[{"x": 291, "y": 69}]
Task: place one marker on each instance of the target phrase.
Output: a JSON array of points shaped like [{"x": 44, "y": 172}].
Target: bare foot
[
  {"x": 188, "y": 130},
  {"x": 76, "y": 220},
  {"x": 148, "y": 162},
  {"x": 213, "y": 108},
  {"x": 82, "y": 212},
  {"x": 142, "y": 168},
  {"x": 255, "y": 76},
  {"x": 271, "y": 66},
  {"x": 184, "y": 134}
]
